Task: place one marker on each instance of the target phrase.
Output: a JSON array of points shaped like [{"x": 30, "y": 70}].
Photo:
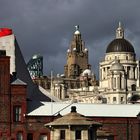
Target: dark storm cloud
[{"x": 46, "y": 26}]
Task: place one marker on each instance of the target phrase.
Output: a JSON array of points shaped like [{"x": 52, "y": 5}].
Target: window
[
  {"x": 121, "y": 99},
  {"x": 108, "y": 68},
  {"x": 133, "y": 87},
  {"x": 43, "y": 137},
  {"x": 114, "y": 99},
  {"x": 114, "y": 80},
  {"x": 17, "y": 113},
  {"x": 29, "y": 136},
  {"x": 78, "y": 135},
  {"x": 62, "y": 134},
  {"x": 19, "y": 136},
  {"x": 128, "y": 72}
]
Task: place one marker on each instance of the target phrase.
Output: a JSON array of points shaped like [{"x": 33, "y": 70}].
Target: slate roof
[
  {"x": 33, "y": 92},
  {"x": 18, "y": 82}
]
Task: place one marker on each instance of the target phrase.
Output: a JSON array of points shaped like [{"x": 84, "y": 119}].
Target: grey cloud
[{"x": 47, "y": 26}]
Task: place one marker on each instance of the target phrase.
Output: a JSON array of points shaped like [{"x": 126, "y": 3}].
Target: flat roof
[{"x": 99, "y": 110}]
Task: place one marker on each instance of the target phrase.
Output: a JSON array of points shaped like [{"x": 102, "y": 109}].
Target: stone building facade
[
  {"x": 119, "y": 71},
  {"x": 77, "y": 71},
  {"x": 77, "y": 57}
]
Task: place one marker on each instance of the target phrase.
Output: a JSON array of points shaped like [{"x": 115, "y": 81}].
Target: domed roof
[
  {"x": 35, "y": 56},
  {"x": 87, "y": 72},
  {"x": 77, "y": 32},
  {"x": 117, "y": 66},
  {"x": 120, "y": 45}
]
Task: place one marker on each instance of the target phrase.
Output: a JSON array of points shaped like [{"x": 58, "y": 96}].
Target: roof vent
[{"x": 73, "y": 109}]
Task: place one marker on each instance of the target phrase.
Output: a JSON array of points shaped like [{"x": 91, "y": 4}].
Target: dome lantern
[
  {"x": 117, "y": 66},
  {"x": 120, "y": 31}
]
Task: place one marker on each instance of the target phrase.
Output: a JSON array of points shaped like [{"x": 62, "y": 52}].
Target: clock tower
[{"x": 77, "y": 57}]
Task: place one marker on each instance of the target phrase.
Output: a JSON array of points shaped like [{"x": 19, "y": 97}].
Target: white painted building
[
  {"x": 7, "y": 43},
  {"x": 119, "y": 71}
]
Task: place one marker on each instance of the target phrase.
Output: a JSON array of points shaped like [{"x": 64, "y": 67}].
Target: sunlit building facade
[{"x": 119, "y": 71}]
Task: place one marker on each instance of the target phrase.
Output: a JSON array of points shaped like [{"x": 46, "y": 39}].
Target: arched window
[
  {"x": 43, "y": 137},
  {"x": 133, "y": 87},
  {"x": 114, "y": 100},
  {"x": 19, "y": 136}
]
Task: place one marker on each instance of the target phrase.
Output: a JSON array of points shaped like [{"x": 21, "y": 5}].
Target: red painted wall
[{"x": 5, "y": 32}]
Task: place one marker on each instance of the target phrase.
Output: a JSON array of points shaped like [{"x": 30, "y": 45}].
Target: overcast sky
[{"x": 46, "y": 27}]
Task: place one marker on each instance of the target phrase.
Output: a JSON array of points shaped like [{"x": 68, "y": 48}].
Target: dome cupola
[
  {"x": 117, "y": 66},
  {"x": 87, "y": 72}
]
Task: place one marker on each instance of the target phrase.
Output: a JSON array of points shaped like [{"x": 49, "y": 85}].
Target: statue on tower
[
  {"x": 77, "y": 27},
  {"x": 77, "y": 32}
]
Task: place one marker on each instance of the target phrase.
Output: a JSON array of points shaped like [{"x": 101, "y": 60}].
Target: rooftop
[
  {"x": 97, "y": 110},
  {"x": 73, "y": 118}
]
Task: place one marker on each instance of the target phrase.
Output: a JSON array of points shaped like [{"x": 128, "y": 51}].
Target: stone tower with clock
[{"x": 77, "y": 57}]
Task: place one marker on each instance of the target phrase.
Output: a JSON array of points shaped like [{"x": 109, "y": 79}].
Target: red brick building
[{"x": 14, "y": 122}]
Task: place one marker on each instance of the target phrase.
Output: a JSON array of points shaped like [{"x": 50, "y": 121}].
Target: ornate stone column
[
  {"x": 84, "y": 135},
  {"x": 56, "y": 134},
  {"x": 118, "y": 82},
  {"x": 136, "y": 76},
  {"x": 123, "y": 81}
]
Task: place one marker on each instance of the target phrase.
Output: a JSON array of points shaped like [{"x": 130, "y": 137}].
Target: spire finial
[
  {"x": 77, "y": 27},
  {"x": 120, "y": 25},
  {"x": 120, "y": 31}
]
